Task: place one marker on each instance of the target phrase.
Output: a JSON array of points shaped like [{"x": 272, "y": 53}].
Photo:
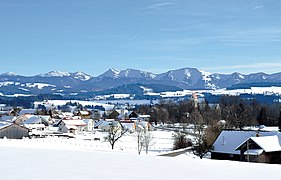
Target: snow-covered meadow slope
[{"x": 25, "y": 162}]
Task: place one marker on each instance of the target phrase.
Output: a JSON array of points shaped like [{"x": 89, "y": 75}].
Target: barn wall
[
  {"x": 14, "y": 132},
  {"x": 225, "y": 156},
  {"x": 264, "y": 158}
]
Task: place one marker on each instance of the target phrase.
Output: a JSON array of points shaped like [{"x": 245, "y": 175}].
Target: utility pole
[{"x": 248, "y": 150}]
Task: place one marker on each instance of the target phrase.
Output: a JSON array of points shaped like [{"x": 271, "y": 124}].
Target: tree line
[
  {"x": 209, "y": 120},
  {"x": 236, "y": 112}
]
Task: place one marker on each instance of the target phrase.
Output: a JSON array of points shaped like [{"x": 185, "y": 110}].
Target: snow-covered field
[
  {"x": 162, "y": 142},
  {"x": 46, "y": 164},
  {"x": 60, "y": 158}
]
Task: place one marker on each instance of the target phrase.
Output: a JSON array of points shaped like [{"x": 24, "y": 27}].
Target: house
[
  {"x": 129, "y": 125},
  {"x": 8, "y": 118},
  {"x": 122, "y": 113},
  {"x": 132, "y": 114},
  {"x": 225, "y": 146},
  {"x": 113, "y": 114},
  {"x": 146, "y": 126},
  {"x": 97, "y": 114},
  {"x": 144, "y": 117},
  {"x": 105, "y": 125},
  {"x": 89, "y": 125},
  {"x": 46, "y": 118},
  {"x": 22, "y": 118},
  {"x": 27, "y": 111},
  {"x": 66, "y": 115},
  {"x": 262, "y": 149},
  {"x": 84, "y": 114},
  {"x": 71, "y": 126},
  {"x": 13, "y": 131},
  {"x": 36, "y": 122},
  {"x": 5, "y": 110}
]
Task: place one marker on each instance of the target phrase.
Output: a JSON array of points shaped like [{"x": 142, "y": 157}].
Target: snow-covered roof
[
  {"x": 8, "y": 118},
  {"x": 229, "y": 140},
  {"x": 27, "y": 111},
  {"x": 267, "y": 143},
  {"x": 4, "y": 124},
  {"x": 28, "y": 115},
  {"x": 130, "y": 112},
  {"x": 31, "y": 126},
  {"x": 87, "y": 121},
  {"x": 84, "y": 112},
  {"x": 130, "y": 125},
  {"x": 67, "y": 114},
  {"x": 45, "y": 117},
  {"x": 104, "y": 123},
  {"x": 144, "y": 116},
  {"x": 261, "y": 128},
  {"x": 143, "y": 123},
  {"x": 98, "y": 123},
  {"x": 74, "y": 122},
  {"x": 33, "y": 120},
  {"x": 253, "y": 152},
  {"x": 7, "y": 124},
  {"x": 71, "y": 127}
]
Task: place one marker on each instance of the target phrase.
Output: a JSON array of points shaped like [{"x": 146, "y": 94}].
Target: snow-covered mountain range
[
  {"x": 185, "y": 78},
  {"x": 77, "y": 75}
]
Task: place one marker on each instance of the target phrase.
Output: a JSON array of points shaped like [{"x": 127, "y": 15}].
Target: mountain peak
[
  {"x": 115, "y": 71},
  {"x": 81, "y": 76},
  {"x": 9, "y": 74},
  {"x": 134, "y": 73},
  {"x": 55, "y": 74},
  {"x": 111, "y": 73}
]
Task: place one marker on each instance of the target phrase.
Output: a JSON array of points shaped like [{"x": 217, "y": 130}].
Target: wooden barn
[
  {"x": 261, "y": 149},
  {"x": 225, "y": 146},
  {"x": 13, "y": 131}
]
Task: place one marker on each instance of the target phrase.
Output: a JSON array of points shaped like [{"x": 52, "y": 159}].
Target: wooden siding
[
  {"x": 225, "y": 156},
  {"x": 14, "y": 131}
]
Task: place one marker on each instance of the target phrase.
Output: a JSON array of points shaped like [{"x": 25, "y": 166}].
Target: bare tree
[
  {"x": 15, "y": 111},
  {"x": 144, "y": 139},
  {"x": 116, "y": 131},
  {"x": 211, "y": 134},
  {"x": 139, "y": 136},
  {"x": 148, "y": 140},
  {"x": 198, "y": 122}
]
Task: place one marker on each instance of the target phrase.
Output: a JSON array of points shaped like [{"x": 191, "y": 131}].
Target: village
[
  {"x": 121, "y": 128},
  {"x": 74, "y": 123},
  {"x": 68, "y": 122}
]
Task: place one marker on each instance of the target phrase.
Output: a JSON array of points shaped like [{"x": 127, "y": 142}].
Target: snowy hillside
[{"x": 45, "y": 164}]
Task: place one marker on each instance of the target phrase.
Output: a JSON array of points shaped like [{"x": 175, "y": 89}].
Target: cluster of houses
[
  {"x": 29, "y": 122},
  {"x": 260, "y": 145}
]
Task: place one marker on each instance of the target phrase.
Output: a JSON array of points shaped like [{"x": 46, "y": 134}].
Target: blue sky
[{"x": 37, "y": 36}]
